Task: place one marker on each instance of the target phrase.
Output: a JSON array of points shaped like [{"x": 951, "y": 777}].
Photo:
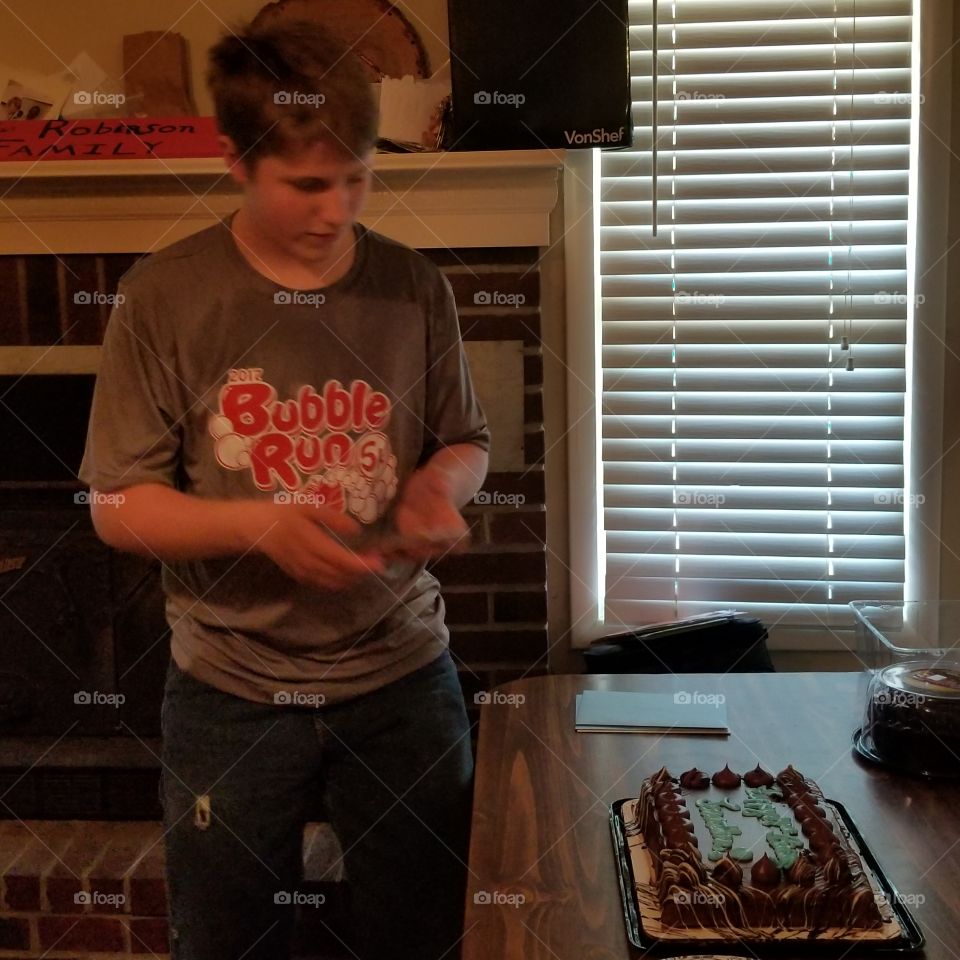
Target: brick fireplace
[{"x": 80, "y": 619}]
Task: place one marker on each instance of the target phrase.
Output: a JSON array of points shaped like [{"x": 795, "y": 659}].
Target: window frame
[{"x": 924, "y": 414}]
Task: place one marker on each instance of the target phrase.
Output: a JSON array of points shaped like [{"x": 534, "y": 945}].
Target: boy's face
[{"x": 303, "y": 206}]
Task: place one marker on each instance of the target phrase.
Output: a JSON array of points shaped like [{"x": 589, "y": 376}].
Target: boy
[{"x": 283, "y": 401}]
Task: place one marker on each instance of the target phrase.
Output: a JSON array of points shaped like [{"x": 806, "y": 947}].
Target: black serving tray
[{"x": 910, "y": 942}]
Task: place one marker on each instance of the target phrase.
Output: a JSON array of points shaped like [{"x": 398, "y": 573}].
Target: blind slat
[
  {"x": 705, "y": 11},
  {"x": 699, "y": 363},
  {"x": 889, "y": 304},
  {"x": 733, "y": 160},
  {"x": 681, "y": 516},
  {"x": 760, "y": 58},
  {"x": 788, "y": 476},
  {"x": 684, "y": 34},
  {"x": 705, "y": 235},
  {"x": 793, "y": 331},
  {"x": 731, "y": 566},
  {"x": 755, "y": 427},
  {"x": 765, "y": 186},
  {"x": 796, "y": 209}
]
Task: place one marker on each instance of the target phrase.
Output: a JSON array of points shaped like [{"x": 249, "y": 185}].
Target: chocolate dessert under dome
[{"x": 753, "y": 854}]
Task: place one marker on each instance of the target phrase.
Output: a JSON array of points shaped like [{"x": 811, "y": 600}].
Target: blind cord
[{"x": 655, "y": 79}]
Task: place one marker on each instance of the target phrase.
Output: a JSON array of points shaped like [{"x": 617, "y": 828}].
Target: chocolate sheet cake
[{"x": 753, "y": 852}]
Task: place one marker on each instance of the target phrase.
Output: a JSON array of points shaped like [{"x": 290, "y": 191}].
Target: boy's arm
[
  {"x": 456, "y": 440},
  {"x": 156, "y": 521},
  {"x": 429, "y": 506},
  {"x": 456, "y": 471}
]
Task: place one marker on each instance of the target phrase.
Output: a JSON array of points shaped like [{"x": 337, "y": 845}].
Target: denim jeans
[{"x": 395, "y": 770}]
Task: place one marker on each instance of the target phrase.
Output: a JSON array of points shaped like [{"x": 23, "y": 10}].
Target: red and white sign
[{"x": 123, "y": 138}]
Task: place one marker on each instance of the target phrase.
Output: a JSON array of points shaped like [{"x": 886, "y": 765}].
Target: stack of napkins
[{"x": 610, "y": 711}]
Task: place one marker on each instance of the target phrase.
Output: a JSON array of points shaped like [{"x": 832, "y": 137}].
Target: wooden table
[{"x": 540, "y": 822}]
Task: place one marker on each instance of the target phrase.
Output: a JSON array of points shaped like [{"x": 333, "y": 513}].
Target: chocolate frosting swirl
[
  {"x": 803, "y": 872},
  {"x": 765, "y": 873},
  {"x": 808, "y": 806},
  {"x": 729, "y": 873},
  {"x": 758, "y": 777},
  {"x": 793, "y": 781},
  {"x": 673, "y": 821},
  {"x": 678, "y": 837},
  {"x": 834, "y": 850},
  {"x": 824, "y": 843},
  {"x": 836, "y": 870},
  {"x": 726, "y": 779},
  {"x": 694, "y": 780},
  {"x": 661, "y": 776},
  {"x": 664, "y": 791},
  {"x": 815, "y": 827}
]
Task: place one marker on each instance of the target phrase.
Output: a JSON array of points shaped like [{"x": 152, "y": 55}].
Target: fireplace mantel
[{"x": 469, "y": 199}]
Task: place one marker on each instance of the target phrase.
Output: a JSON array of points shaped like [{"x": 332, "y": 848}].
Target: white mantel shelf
[{"x": 426, "y": 200}]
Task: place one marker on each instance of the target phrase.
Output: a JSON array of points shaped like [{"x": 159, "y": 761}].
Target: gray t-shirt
[{"x": 222, "y": 384}]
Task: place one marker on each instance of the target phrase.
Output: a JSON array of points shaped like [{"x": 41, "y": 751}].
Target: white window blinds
[{"x": 753, "y": 351}]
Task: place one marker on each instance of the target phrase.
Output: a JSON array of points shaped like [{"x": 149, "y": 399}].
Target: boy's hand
[
  {"x": 427, "y": 518},
  {"x": 311, "y": 544}
]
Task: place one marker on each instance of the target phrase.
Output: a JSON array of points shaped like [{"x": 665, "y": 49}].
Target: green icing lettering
[
  {"x": 785, "y": 858},
  {"x": 716, "y": 806},
  {"x": 721, "y": 832},
  {"x": 763, "y": 793},
  {"x": 782, "y": 838},
  {"x": 784, "y": 849}
]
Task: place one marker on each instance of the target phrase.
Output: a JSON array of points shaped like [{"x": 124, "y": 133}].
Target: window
[{"x": 751, "y": 356}]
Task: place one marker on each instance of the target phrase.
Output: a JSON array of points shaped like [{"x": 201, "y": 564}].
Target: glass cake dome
[{"x": 910, "y": 720}]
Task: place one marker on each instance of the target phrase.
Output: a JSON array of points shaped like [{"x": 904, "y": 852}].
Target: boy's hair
[{"x": 281, "y": 87}]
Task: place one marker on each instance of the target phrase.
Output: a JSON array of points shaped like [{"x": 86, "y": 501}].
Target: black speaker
[{"x": 529, "y": 74}]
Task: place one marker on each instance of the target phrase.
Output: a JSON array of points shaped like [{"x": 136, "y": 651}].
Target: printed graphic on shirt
[{"x": 327, "y": 447}]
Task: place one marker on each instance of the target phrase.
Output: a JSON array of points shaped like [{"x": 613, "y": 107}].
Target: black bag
[{"x": 715, "y": 643}]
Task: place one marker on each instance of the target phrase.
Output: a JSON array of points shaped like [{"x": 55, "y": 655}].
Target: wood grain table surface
[{"x": 542, "y": 881}]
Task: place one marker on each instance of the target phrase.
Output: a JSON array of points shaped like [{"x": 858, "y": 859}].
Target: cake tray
[
  {"x": 910, "y": 941},
  {"x": 868, "y": 753}
]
